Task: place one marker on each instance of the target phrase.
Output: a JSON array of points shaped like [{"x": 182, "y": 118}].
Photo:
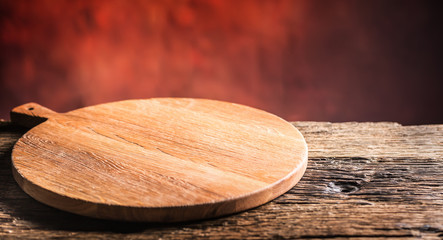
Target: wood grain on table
[{"x": 364, "y": 180}]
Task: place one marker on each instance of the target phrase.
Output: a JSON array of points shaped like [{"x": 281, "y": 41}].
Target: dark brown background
[{"x": 302, "y": 60}]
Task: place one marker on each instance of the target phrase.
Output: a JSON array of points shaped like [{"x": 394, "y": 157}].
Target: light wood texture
[
  {"x": 364, "y": 181},
  {"x": 162, "y": 160}
]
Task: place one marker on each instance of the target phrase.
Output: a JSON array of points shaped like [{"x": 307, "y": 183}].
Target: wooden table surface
[{"x": 364, "y": 180}]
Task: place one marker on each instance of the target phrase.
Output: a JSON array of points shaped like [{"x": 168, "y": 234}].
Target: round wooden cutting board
[{"x": 160, "y": 160}]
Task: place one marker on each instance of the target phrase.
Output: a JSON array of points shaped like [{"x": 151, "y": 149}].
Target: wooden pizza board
[{"x": 159, "y": 160}]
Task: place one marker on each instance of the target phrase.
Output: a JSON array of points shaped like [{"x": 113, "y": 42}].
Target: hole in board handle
[{"x": 31, "y": 108}]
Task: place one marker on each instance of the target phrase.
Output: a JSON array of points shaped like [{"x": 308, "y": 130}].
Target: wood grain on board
[
  {"x": 162, "y": 160},
  {"x": 364, "y": 181}
]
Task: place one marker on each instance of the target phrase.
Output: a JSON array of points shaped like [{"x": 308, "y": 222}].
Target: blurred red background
[{"x": 302, "y": 60}]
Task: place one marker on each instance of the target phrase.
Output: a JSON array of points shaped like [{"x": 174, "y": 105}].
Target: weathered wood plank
[
  {"x": 371, "y": 140},
  {"x": 364, "y": 180}
]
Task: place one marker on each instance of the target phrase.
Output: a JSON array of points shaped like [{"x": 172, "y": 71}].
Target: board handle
[{"x": 30, "y": 114}]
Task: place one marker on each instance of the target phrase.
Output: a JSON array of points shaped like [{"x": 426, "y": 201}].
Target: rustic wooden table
[{"x": 364, "y": 180}]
